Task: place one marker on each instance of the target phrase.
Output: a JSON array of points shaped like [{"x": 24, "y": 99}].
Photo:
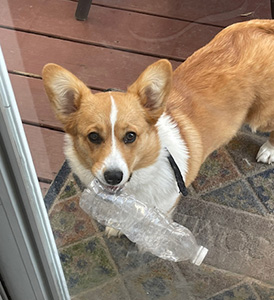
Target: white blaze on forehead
[
  {"x": 113, "y": 118},
  {"x": 115, "y": 160}
]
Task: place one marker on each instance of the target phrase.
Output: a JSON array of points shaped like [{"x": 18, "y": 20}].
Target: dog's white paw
[
  {"x": 113, "y": 232},
  {"x": 266, "y": 153}
]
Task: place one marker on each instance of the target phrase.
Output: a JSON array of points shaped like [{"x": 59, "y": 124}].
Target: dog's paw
[
  {"x": 266, "y": 153},
  {"x": 112, "y": 232}
]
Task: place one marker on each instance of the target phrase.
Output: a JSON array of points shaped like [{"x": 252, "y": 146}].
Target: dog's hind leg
[{"x": 266, "y": 152}]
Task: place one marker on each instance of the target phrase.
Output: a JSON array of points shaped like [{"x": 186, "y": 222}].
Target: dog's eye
[
  {"x": 130, "y": 137},
  {"x": 95, "y": 138}
]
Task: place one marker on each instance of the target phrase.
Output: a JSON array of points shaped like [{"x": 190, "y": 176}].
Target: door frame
[{"x": 29, "y": 262}]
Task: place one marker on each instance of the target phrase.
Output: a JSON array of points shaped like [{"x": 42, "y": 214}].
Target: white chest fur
[{"x": 156, "y": 184}]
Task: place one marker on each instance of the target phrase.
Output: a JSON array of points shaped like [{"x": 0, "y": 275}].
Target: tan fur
[{"x": 228, "y": 82}]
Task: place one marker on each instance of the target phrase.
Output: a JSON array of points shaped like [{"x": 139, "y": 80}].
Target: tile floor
[{"x": 230, "y": 210}]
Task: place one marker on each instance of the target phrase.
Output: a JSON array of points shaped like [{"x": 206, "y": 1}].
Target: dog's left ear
[
  {"x": 153, "y": 87},
  {"x": 64, "y": 91}
]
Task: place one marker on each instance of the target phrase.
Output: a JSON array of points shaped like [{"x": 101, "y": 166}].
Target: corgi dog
[{"x": 124, "y": 138}]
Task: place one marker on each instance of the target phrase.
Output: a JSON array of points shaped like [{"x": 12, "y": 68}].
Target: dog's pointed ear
[
  {"x": 64, "y": 90},
  {"x": 153, "y": 87}
]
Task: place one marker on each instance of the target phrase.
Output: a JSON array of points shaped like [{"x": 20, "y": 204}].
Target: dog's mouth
[{"x": 112, "y": 189}]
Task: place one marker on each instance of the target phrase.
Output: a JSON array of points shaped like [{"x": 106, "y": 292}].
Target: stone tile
[
  {"x": 246, "y": 129},
  {"x": 100, "y": 227},
  {"x": 263, "y": 184},
  {"x": 216, "y": 170},
  {"x": 205, "y": 281},
  {"x": 265, "y": 292},
  {"x": 57, "y": 185},
  {"x": 126, "y": 254},
  {"x": 79, "y": 183},
  {"x": 242, "y": 292},
  {"x": 70, "y": 189},
  {"x": 86, "y": 265},
  {"x": 230, "y": 221},
  {"x": 244, "y": 148},
  {"x": 237, "y": 195},
  {"x": 70, "y": 223},
  {"x": 157, "y": 281},
  {"x": 112, "y": 290},
  {"x": 238, "y": 242}
]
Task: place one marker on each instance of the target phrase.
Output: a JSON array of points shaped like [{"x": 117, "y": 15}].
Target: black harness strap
[{"x": 178, "y": 175}]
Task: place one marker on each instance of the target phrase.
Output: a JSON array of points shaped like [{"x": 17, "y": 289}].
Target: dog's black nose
[{"x": 113, "y": 177}]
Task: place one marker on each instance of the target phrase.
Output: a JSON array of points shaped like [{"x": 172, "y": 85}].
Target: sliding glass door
[{"x": 29, "y": 263}]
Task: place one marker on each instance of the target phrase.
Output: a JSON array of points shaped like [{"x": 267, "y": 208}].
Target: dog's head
[{"x": 112, "y": 133}]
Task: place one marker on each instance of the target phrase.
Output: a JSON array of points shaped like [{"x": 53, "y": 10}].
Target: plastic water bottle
[{"x": 146, "y": 226}]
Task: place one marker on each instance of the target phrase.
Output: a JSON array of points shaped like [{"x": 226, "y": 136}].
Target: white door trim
[{"x": 22, "y": 203}]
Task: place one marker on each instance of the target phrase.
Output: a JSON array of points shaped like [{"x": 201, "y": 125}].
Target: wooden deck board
[
  {"x": 221, "y": 13},
  {"x": 99, "y": 68},
  {"x": 46, "y": 147},
  {"x": 44, "y": 187},
  {"x": 108, "y": 27},
  {"x": 33, "y": 104}
]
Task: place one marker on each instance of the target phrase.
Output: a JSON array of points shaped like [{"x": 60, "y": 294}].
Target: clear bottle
[{"x": 146, "y": 226}]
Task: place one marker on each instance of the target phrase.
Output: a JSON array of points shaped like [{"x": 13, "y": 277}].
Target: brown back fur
[{"x": 224, "y": 84}]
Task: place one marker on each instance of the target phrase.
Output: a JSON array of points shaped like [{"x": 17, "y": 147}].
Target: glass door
[
  {"x": 29, "y": 263},
  {"x": 110, "y": 49}
]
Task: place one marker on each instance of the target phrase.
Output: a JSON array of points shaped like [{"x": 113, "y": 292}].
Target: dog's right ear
[
  {"x": 153, "y": 87},
  {"x": 64, "y": 90}
]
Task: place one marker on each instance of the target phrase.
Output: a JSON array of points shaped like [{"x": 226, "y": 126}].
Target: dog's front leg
[{"x": 266, "y": 152}]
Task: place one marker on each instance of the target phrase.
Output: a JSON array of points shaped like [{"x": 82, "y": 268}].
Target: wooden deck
[{"x": 119, "y": 39}]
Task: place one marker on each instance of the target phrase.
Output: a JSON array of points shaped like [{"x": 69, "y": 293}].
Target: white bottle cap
[{"x": 200, "y": 255}]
